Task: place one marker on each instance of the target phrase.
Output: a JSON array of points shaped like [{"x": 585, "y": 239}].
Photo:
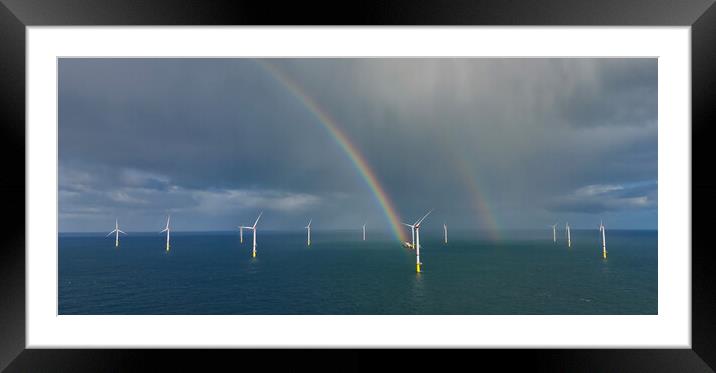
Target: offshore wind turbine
[
  {"x": 167, "y": 229},
  {"x": 569, "y": 236},
  {"x": 309, "y": 232},
  {"x": 363, "y": 231},
  {"x": 604, "y": 241},
  {"x": 554, "y": 232},
  {"x": 241, "y": 234},
  {"x": 253, "y": 228},
  {"x": 445, "y": 230},
  {"x": 415, "y": 227},
  {"x": 116, "y": 231}
]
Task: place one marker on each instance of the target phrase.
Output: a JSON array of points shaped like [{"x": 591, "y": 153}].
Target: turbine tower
[
  {"x": 241, "y": 234},
  {"x": 167, "y": 229},
  {"x": 569, "y": 236},
  {"x": 116, "y": 231},
  {"x": 416, "y": 239},
  {"x": 445, "y": 230},
  {"x": 363, "y": 232},
  {"x": 309, "y": 232},
  {"x": 253, "y": 228},
  {"x": 604, "y": 241}
]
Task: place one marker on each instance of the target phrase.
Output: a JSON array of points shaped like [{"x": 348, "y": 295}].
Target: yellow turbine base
[
  {"x": 417, "y": 268},
  {"x": 253, "y": 255}
]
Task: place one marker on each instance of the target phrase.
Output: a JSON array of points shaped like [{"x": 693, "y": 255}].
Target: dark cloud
[{"x": 217, "y": 140}]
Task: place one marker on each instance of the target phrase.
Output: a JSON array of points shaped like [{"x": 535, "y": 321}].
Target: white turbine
[
  {"x": 554, "y": 232},
  {"x": 569, "y": 236},
  {"x": 116, "y": 231},
  {"x": 415, "y": 227},
  {"x": 167, "y": 229},
  {"x": 253, "y": 228},
  {"x": 445, "y": 230},
  {"x": 241, "y": 234},
  {"x": 363, "y": 232},
  {"x": 309, "y": 232},
  {"x": 604, "y": 240}
]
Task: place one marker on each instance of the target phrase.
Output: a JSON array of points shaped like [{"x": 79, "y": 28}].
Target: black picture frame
[{"x": 16, "y": 15}]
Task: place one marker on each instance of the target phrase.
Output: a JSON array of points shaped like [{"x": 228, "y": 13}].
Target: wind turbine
[
  {"x": 554, "y": 232},
  {"x": 309, "y": 232},
  {"x": 167, "y": 229},
  {"x": 241, "y": 234},
  {"x": 604, "y": 241},
  {"x": 253, "y": 228},
  {"x": 364, "y": 232},
  {"x": 116, "y": 231},
  {"x": 569, "y": 236},
  {"x": 415, "y": 227},
  {"x": 445, "y": 230}
]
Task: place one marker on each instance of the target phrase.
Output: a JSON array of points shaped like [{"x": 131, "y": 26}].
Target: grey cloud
[
  {"x": 603, "y": 198},
  {"x": 521, "y": 134}
]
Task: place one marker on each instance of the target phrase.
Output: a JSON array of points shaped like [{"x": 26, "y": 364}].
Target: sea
[{"x": 213, "y": 273}]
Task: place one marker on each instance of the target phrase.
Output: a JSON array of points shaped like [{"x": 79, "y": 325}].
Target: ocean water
[{"x": 212, "y": 273}]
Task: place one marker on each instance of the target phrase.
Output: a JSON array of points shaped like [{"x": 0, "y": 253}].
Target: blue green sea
[{"x": 523, "y": 272}]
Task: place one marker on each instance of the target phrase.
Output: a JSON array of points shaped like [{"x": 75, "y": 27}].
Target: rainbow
[
  {"x": 479, "y": 202},
  {"x": 477, "y": 198},
  {"x": 345, "y": 144}
]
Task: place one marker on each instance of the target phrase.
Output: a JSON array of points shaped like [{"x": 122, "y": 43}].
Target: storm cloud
[{"x": 215, "y": 141}]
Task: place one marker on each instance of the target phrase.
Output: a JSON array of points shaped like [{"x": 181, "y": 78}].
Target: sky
[{"x": 489, "y": 144}]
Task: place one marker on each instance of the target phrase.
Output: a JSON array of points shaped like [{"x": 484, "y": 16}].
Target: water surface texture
[{"x": 213, "y": 273}]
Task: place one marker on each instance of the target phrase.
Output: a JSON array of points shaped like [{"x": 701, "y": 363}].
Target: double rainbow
[{"x": 356, "y": 157}]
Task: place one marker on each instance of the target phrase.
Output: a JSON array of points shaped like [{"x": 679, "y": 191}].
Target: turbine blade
[
  {"x": 108, "y": 234},
  {"x": 406, "y": 224},
  {"x": 122, "y": 232},
  {"x": 423, "y": 218},
  {"x": 257, "y": 219}
]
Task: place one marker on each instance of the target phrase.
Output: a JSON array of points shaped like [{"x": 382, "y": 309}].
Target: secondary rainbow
[{"x": 345, "y": 144}]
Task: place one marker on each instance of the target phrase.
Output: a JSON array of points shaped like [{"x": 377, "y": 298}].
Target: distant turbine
[
  {"x": 241, "y": 234},
  {"x": 604, "y": 240},
  {"x": 569, "y": 237},
  {"x": 363, "y": 232},
  {"x": 117, "y": 232},
  {"x": 554, "y": 233},
  {"x": 167, "y": 229},
  {"x": 415, "y": 227},
  {"x": 309, "y": 232},
  {"x": 445, "y": 230},
  {"x": 253, "y": 228}
]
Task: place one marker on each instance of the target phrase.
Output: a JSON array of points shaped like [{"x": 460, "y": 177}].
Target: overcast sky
[{"x": 507, "y": 143}]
